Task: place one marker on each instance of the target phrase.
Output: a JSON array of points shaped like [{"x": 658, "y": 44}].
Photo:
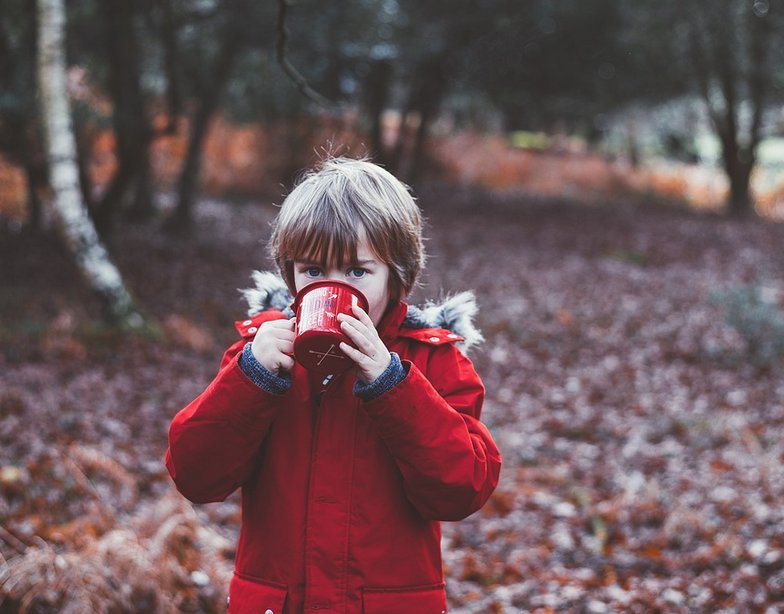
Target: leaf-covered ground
[{"x": 642, "y": 432}]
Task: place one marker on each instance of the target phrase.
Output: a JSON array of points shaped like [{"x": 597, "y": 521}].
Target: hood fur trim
[
  {"x": 454, "y": 313},
  {"x": 269, "y": 292}
]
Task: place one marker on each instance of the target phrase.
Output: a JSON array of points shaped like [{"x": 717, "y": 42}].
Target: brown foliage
[{"x": 160, "y": 559}]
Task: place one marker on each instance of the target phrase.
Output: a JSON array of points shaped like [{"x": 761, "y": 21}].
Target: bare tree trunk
[
  {"x": 171, "y": 62},
  {"x": 376, "y": 94},
  {"x": 69, "y": 209},
  {"x": 211, "y": 92},
  {"x": 719, "y": 58},
  {"x": 131, "y": 187},
  {"x": 738, "y": 163},
  {"x": 429, "y": 90}
]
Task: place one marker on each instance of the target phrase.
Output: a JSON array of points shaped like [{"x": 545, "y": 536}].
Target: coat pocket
[
  {"x": 253, "y": 596},
  {"x": 429, "y": 599}
]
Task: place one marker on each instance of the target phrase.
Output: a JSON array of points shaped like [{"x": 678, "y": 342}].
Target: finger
[
  {"x": 347, "y": 317},
  {"x": 365, "y": 337},
  {"x": 286, "y": 363},
  {"x": 279, "y": 340},
  {"x": 363, "y": 316},
  {"x": 278, "y": 324},
  {"x": 285, "y": 347},
  {"x": 285, "y": 335},
  {"x": 365, "y": 328},
  {"x": 358, "y": 336},
  {"x": 353, "y": 323},
  {"x": 353, "y": 353}
]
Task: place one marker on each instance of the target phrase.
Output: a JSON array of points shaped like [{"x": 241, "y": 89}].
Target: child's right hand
[{"x": 273, "y": 345}]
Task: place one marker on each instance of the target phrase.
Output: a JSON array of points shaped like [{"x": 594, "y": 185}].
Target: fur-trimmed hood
[{"x": 455, "y": 313}]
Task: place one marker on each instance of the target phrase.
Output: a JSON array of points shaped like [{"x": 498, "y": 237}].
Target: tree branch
[
  {"x": 759, "y": 38},
  {"x": 702, "y": 68},
  {"x": 288, "y": 68},
  {"x": 724, "y": 53}
]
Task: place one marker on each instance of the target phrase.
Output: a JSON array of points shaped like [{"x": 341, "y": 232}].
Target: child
[{"x": 343, "y": 478}]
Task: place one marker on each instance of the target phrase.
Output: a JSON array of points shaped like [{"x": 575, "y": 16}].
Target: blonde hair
[{"x": 337, "y": 205}]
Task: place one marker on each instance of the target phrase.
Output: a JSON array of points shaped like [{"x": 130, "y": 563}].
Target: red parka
[{"x": 341, "y": 498}]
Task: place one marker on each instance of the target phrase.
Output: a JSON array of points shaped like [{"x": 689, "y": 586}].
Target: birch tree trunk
[{"x": 69, "y": 209}]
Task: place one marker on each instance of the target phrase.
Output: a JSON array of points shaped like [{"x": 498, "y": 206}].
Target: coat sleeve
[
  {"x": 215, "y": 440},
  {"x": 430, "y": 423}
]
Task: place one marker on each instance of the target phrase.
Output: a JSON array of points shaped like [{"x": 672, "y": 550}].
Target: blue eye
[
  {"x": 357, "y": 272},
  {"x": 313, "y": 271}
]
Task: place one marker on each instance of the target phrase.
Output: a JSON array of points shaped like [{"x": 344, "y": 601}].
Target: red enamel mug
[{"x": 317, "y": 305}]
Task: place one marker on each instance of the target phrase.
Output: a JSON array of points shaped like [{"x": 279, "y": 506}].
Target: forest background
[{"x": 606, "y": 176}]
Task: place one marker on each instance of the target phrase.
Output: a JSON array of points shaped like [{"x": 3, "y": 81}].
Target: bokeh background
[{"x": 605, "y": 175}]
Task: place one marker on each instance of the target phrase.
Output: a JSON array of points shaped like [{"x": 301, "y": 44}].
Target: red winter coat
[{"x": 341, "y": 498}]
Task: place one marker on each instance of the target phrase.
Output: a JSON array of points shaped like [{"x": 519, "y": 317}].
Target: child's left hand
[{"x": 371, "y": 355}]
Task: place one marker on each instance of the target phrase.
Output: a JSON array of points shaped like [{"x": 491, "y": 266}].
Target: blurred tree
[
  {"x": 376, "y": 97},
  {"x": 414, "y": 53},
  {"x": 132, "y": 129},
  {"x": 167, "y": 28},
  {"x": 75, "y": 223},
  {"x": 553, "y": 63},
  {"x": 344, "y": 53},
  {"x": 228, "y": 23},
  {"x": 544, "y": 65},
  {"x": 282, "y": 33},
  {"x": 231, "y": 35},
  {"x": 549, "y": 62},
  {"x": 736, "y": 52},
  {"x": 19, "y": 134},
  {"x": 728, "y": 52}
]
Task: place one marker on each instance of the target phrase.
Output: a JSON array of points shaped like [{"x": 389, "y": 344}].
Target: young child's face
[{"x": 369, "y": 275}]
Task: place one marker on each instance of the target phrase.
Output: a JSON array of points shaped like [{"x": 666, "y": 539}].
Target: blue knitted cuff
[
  {"x": 260, "y": 375},
  {"x": 391, "y": 377}
]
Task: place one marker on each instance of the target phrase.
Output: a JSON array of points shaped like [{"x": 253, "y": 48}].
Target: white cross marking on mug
[{"x": 327, "y": 353}]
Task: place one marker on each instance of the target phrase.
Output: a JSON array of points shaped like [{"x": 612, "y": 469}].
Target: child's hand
[
  {"x": 273, "y": 345},
  {"x": 371, "y": 355}
]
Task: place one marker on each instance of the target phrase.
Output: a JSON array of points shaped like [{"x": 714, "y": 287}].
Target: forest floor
[{"x": 633, "y": 360}]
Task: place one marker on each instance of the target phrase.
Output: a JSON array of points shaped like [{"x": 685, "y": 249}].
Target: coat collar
[{"x": 390, "y": 324}]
